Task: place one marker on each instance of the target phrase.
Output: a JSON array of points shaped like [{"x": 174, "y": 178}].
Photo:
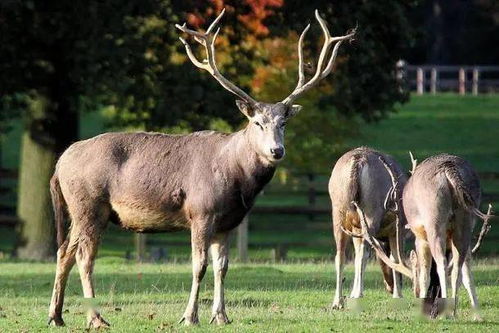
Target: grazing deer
[
  {"x": 440, "y": 202},
  {"x": 360, "y": 177},
  {"x": 150, "y": 182}
]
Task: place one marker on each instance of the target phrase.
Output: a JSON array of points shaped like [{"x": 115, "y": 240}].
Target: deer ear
[
  {"x": 293, "y": 110},
  {"x": 245, "y": 108}
]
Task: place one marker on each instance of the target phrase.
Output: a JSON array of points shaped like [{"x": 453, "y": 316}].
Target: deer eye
[{"x": 259, "y": 125}]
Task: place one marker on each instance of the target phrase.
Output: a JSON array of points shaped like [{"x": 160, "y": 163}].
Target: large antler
[
  {"x": 399, "y": 267},
  {"x": 485, "y": 229},
  {"x": 207, "y": 39},
  {"x": 321, "y": 71},
  {"x": 390, "y": 197}
]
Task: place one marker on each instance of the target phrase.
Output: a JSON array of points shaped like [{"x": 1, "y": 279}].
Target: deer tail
[
  {"x": 354, "y": 184},
  {"x": 462, "y": 194},
  {"x": 58, "y": 204}
]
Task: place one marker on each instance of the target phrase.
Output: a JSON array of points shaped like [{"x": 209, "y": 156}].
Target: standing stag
[
  {"x": 360, "y": 181},
  {"x": 440, "y": 201},
  {"x": 150, "y": 182}
]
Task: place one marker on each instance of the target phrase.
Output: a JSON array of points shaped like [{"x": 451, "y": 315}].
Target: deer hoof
[
  {"x": 220, "y": 318},
  {"x": 96, "y": 321},
  {"x": 56, "y": 321},
  {"x": 189, "y": 320},
  {"x": 338, "y": 304}
]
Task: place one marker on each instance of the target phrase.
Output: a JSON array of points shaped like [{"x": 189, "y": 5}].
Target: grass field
[
  {"x": 288, "y": 297},
  {"x": 260, "y": 297},
  {"x": 467, "y": 126}
]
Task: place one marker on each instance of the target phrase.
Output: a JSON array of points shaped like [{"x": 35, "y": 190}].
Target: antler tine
[
  {"x": 321, "y": 72},
  {"x": 414, "y": 163},
  {"x": 399, "y": 267},
  {"x": 325, "y": 47},
  {"x": 207, "y": 39},
  {"x": 214, "y": 23},
  {"x": 392, "y": 192},
  {"x": 485, "y": 229},
  {"x": 301, "y": 71}
]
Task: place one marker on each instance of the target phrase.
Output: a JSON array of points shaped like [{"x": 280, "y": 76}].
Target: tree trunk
[
  {"x": 51, "y": 128},
  {"x": 34, "y": 204}
]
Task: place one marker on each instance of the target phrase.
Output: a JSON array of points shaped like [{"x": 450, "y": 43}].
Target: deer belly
[{"x": 145, "y": 219}]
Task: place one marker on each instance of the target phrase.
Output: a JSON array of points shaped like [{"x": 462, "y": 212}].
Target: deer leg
[
  {"x": 394, "y": 255},
  {"x": 85, "y": 258},
  {"x": 65, "y": 261},
  {"x": 425, "y": 260},
  {"x": 341, "y": 242},
  {"x": 220, "y": 255},
  {"x": 438, "y": 246},
  {"x": 200, "y": 240},
  {"x": 360, "y": 263},
  {"x": 460, "y": 248},
  {"x": 469, "y": 284}
]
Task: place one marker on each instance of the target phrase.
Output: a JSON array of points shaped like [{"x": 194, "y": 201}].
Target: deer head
[{"x": 266, "y": 120}]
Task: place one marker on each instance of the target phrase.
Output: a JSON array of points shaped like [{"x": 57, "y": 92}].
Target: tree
[
  {"x": 60, "y": 58},
  {"x": 57, "y": 59}
]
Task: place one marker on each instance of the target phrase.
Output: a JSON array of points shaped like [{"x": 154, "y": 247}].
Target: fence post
[
  {"x": 476, "y": 75},
  {"x": 140, "y": 246},
  {"x": 462, "y": 81},
  {"x": 242, "y": 240},
  {"x": 420, "y": 81},
  {"x": 433, "y": 80}
]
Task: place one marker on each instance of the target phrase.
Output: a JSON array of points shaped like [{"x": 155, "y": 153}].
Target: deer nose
[{"x": 277, "y": 153}]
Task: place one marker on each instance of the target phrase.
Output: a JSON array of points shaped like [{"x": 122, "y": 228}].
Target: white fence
[{"x": 435, "y": 78}]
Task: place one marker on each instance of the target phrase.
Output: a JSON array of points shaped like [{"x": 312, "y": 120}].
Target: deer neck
[{"x": 252, "y": 169}]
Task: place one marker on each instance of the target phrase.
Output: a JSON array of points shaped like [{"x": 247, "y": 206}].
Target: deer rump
[
  {"x": 466, "y": 195},
  {"x": 361, "y": 177}
]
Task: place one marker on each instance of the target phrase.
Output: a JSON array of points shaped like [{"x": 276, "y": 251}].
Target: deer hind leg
[
  {"x": 341, "y": 242},
  {"x": 220, "y": 255},
  {"x": 65, "y": 261},
  {"x": 395, "y": 247},
  {"x": 92, "y": 219},
  {"x": 85, "y": 258},
  {"x": 425, "y": 261},
  {"x": 360, "y": 264},
  {"x": 437, "y": 240},
  {"x": 469, "y": 284},
  {"x": 461, "y": 238},
  {"x": 200, "y": 241}
]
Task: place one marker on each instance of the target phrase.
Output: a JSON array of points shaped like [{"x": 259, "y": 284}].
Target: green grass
[
  {"x": 467, "y": 126},
  {"x": 259, "y": 297}
]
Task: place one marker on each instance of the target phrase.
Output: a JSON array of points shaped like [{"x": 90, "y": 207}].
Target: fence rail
[
  {"x": 434, "y": 78},
  {"x": 312, "y": 188}
]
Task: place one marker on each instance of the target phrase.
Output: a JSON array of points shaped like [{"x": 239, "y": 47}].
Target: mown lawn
[
  {"x": 467, "y": 126},
  {"x": 260, "y": 297}
]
